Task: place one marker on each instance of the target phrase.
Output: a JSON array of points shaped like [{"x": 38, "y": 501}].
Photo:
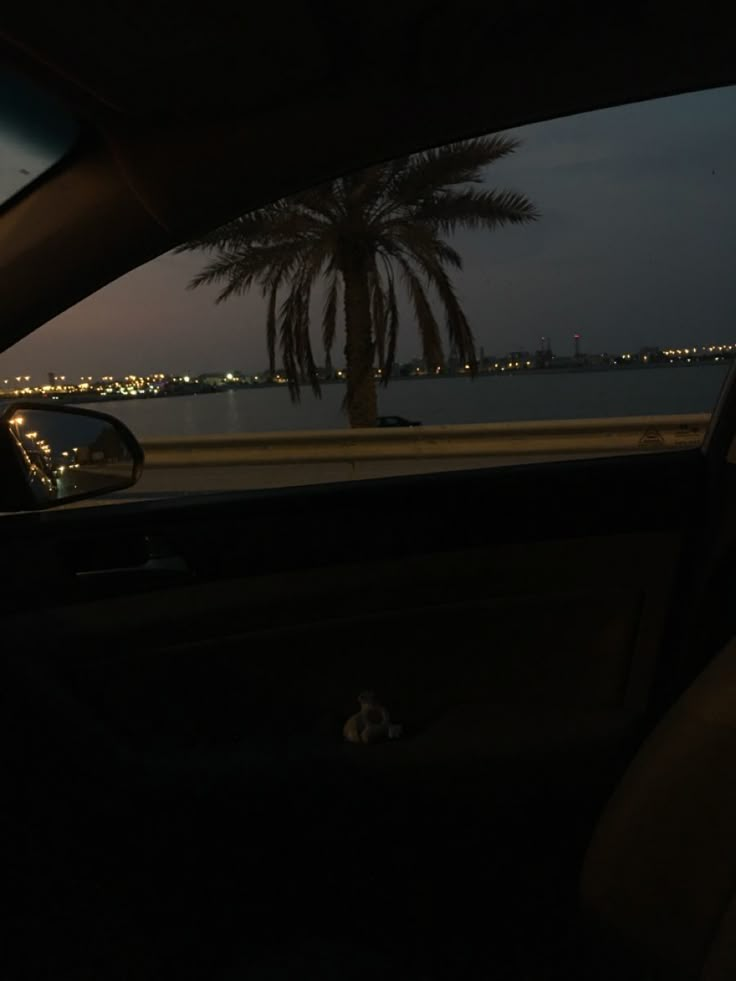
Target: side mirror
[{"x": 55, "y": 454}]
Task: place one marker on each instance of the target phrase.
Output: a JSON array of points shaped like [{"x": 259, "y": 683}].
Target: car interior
[{"x": 556, "y": 640}]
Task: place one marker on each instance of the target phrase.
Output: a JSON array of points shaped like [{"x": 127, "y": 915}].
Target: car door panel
[
  {"x": 540, "y": 619},
  {"x": 511, "y": 619}
]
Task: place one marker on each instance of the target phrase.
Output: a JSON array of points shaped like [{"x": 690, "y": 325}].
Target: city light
[{"x": 159, "y": 384}]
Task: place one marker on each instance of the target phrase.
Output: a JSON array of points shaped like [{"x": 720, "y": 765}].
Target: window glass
[{"x": 563, "y": 289}]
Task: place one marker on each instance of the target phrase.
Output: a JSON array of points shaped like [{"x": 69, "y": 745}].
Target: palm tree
[{"x": 364, "y": 234}]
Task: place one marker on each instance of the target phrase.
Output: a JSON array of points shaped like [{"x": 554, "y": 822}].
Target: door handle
[
  {"x": 160, "y": 557},
  {"x": 169, "y": 563}
]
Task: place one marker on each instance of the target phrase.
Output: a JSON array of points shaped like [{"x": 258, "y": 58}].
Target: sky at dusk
[{"x": 636, "y": 246}]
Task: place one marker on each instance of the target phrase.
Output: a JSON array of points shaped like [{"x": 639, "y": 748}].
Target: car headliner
[{"x": 189, "y": 120}]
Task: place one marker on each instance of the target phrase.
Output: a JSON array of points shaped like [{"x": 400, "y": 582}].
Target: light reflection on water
[{"x": 653, "y": 391}]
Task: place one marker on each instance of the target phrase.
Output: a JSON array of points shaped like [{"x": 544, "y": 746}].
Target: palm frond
[
  {"x": 231, "y": 235},
  {"x": 392, "y": 325},
  {"x": 458, "y": 329},
  {"x": 329, "y": 315},
  {"x": 429, "y": 330},
  {"x": 456, "y": 163},
  {"x": 321, "y": 202},
  {"x": 368, "y": 194},
  {"x": 254, "y": 226},
  {"x": 414, "y": 236},
  {"x": 240, "y": 269},
  {"x": 279, "y": 222},
  {"x": 225, "y": 266},
  {"x": 287, "y": 345},
  {"x": 271, "y": 329},
  {"x": 451, "y": 210}
]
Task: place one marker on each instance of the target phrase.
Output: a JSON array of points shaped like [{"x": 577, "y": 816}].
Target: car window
[{"x": 561, "y": 289}]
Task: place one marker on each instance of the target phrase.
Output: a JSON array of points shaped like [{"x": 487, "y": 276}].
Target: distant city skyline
[
  {"x": 634, "y": 248},
  {"x": 545, "y": 344},
  {"x": 544, "y": 360}
]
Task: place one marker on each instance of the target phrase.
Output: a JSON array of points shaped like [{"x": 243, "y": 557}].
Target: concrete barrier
[{"x": 558, "y": 438}]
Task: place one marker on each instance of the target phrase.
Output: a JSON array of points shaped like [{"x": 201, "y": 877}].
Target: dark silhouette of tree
[{"x": 364, "y": 235}]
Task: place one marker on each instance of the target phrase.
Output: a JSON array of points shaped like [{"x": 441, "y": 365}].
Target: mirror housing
[{"x": 56, "y": 454}]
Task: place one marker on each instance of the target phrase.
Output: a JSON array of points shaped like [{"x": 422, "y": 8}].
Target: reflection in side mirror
[{"x": 57, "y": 454}]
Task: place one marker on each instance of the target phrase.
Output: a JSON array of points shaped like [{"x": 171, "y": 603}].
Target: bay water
[{"x": 665, "y": 390}]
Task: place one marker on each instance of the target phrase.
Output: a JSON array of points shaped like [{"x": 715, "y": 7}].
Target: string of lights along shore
[{"x": 161, "y": 384}]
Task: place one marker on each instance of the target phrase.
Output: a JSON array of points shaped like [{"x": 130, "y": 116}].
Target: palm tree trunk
[{"x": 361, "y": 400}]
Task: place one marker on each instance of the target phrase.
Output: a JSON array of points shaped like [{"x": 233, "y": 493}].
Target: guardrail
[{"x": 566, "y": 437}]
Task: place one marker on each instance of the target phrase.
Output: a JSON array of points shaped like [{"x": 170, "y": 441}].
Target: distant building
[
  {"x": 517, "y": 360},
  {"x": 544, "y": 357},
  {"x": 650, "y": 355},
  {"x": 214, "y": 378},
  {"x": 221, "y": 379}
]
